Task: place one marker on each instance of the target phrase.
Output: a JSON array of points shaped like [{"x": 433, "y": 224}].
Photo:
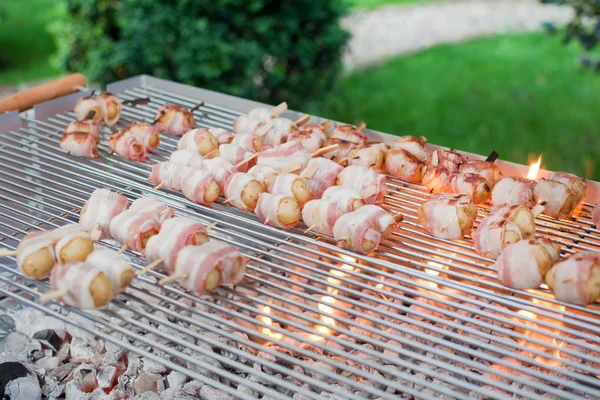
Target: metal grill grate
[{"x": 423, "y": 317}]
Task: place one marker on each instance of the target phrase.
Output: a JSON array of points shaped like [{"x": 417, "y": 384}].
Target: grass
[
  {"x": 25, "y": 43},
  {"x": 517, "y": 94}
]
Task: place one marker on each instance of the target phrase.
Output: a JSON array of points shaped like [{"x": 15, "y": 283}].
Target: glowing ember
[
  {"x": 338, "y": 273},
  {"x": 545, "y": 337},
  {"x": 269, "y": 321},
  {"x": 348, "y": 258},
  {"x": 534, "y": 169}
]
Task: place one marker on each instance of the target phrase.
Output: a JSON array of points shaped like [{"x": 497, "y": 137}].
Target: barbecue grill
[{"x": 421, "y": 318}]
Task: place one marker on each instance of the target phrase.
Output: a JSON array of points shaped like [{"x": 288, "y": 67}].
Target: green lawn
[
  {"x": 24, "y": 41},
  {"x": 515, "y": 94}
]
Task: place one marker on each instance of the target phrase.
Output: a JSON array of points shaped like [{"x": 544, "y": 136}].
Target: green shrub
[{"x": 261, "y": 49}]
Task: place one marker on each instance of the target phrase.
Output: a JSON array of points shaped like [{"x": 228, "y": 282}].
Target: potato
[
  {"x": 83, "y": 209},
  {"x": 76, "y": 250},
  {"x": 288, "y": 211},
  {"x": 126, "y": 277},
  {"x": 466, "y": 217},
  {"x": 199, "y": 238},
  {"x": 592, "y": 285},
  {"x": 422, "y": 215},
  {"x": 269, "y": 178},
  {"x": 212, "y": 192},
  {"x": 147, "y": 235},
  {"x": 544, "y": 260},
  {"x": 525, "y": 220},
  {"x": 101, "y": 291},
  {"x": 250, "y": 194},
  {"x": 213, "y": 279},
  {"x": 38, "y": 264},
  {"x": 368, "y": 246},
  {"x": 112, "y": 110},
  {"x": 154, "y": 140},
  {"x": 357, "y": 203},
  {"x": 206, "y": 143},
  {"x": 301, "y": 191}
]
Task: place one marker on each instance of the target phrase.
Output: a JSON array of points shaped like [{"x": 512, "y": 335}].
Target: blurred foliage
[
  {"x": 267, "y": 50},
  {"x": 584, "y": 28}
]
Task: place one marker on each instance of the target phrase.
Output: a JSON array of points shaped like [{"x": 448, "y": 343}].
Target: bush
[{"x": 261, "y": 49}]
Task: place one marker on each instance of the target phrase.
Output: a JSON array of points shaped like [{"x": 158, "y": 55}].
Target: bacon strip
[
  {"x": 574, "y": 280},
  {"x": 147, "y": 134},
  {"x": 188, "y": 157},
  {"x": 270, "y": 207},
  {"x": 77, "y": 278},
  {"x": 311, "y": 136},
  {"x": 283, "y": 155},
  {"x": 349, "y": 133},
  {"x": 321, "y": 215},
  {"x": 102, "y": 206},
  {"x": 345, "y": 198},
  {"x": 558, "y": 199},
  {"x": 174, "y": 120},
  {"x": 367, "y": 223},
  {"x": 403, "y": 165},
  {"x": 596, "y": 215},
  {"x": 127, "y": 145},
  {"x": 518, "y": 265},
  {"x": 133, "y": 228},
  {"x": 221, "y": 170},
  {"x": 514, "y": 190},
  {"x": 235, "y": 186},
  {"x": 361, "y": 178},
  {"x": 113, "y": 265},
  {"x": 80, "y": 144},
  {"x": 443, "y": 214},
  {"x": 413, "y": 145},
  {"x": 158, "y": 211},
  {"x": 323, "y": 177},
  {"x": 110, "y": 106}
]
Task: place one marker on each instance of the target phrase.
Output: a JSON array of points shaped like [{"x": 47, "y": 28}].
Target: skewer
[
  {"x": 55, "y": 294},
  {"x": 246, "y": 160},
  {"x": 7, "y": 253},
  {"x": 310, "y": 228},
  {"x": 398, "y": 217},
  {"x": 159, "y": 186},
  {"x": 137, "y": 102},
  {"x": 302, "y": 120},
  {"x": 148, "y": 267},
  {"x": 265, "y": 129},
  {"x": 197, "y": 106},
  {"x": 280, "y": 108},
  {"x": 122, "y": 249},
  {"x": 228, "y": 200},
  {"x": 95, "y": 233},
  {"x": 368, "y": 192},
  {"x": 492, "y": 157},
  {"x": 291, "y": 167},
  {"x": 310, "y": 171},
  {"x": 210, "y": 153},
  {"x": 327, "y": 124},
  {"x": 171, "y": 278},
  {"x": 267, "y": 221},
  {"x": 537, "y": 210},
  {"x": 209, "y": 227},
  {"x": 90, "y": 114},
  {"x": 324, "y": 150},
  {"x": 361, "y": 126}
]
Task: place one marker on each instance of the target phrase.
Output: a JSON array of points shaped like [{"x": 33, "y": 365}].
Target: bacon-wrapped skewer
[
  {"x": 264, "y": 174},
  {"x": 87, "y": 126},
  {"x": 241, "y": 158},
  {"x": 114, "y": 266},
  {"x": 97, "y": 212},
  {"x": 203, "y": 140},
  {"x": 242, "y": 191},
  {"x": 490, "y": 171},
  {"x": 369, "y": 156},
  {"x": 413, "y": 145},
  {"x": 279, "y": 210},
  {"x": 39, "y": 251},
  {"x": 197, "y": 184},
  {"x": 573, "y": 182},
  {"x": 596, "y": 216},
  {"x": 320, "y": 215},
  {"x": 201, "y": 269},
  {"x": 175, "y": 234},
  {"x": 342, "y": 149},
  {"x": 80, "y": 144},
  {"x": 439, "y": 179},
  {"x": 147, "y": 134},
  {"x": 557, "y": 198},
  {"x": 448, "y": 216},
  {"x": 80, "y": 285},
  {"x": 283, "y": 156},
  {"x": 448, "y": 159},
  {"x": 524, "y": 264},
  {"x": 280, "y": 131},
  {"x": 127, "y": 145},
  {"x": 168, "y": 174},
  {"x": 311, "y": 136},
  {"x": 350, "y": 133},
  {"x": 291, "y": 185},
  {"x": 320, "y": 173},
  {"x": 502, "y": 226},
  {"x": 514, "y": 190},
  {"x": 250, "y": 123},
  {"x": 248, "y": 142},
  {"x": 403, "y": 165},
  {"x": 134, "y": 228},
  {"x": 174, "y": 120},
  {"x": 363, "y": 229},
  {"x": 157, "y": 210},
  {"x": 361, "y": 179},
  {"x": 221, "y": 170},
  {"x": 88, "y": 108},
  {"x": 189, "y": 157},
  {"x": 577, "y": 279},
  {"x": 347, "y": 199},
  {"x": 106, "y": 106}
]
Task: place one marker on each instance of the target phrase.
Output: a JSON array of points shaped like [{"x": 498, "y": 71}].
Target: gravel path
[{"x": 398, "y": 29}]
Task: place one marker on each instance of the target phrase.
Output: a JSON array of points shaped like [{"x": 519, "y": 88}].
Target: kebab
[
  {"x": 221, "y": 170},
  {"x": 573, "y": 182},
  {"x": 311, "y": 136},
  {"x": 347, "y": 199},
  {"x": 338, "y": 150},
  {"x": 125, "y": 144},
  {"x": 278, "y": 210},
  {"x": 201, "y": 269},
  {"x": 291, "y": 185},
  {"x": 147, "y": 134},
  {"x": 197, "y": 184},
  {"x": 320, "y": 174},
  {"x": 487, "y": 169},
  {"x": 405, "y": 166},
  {"x": 362, "y": 230},
  {"x": 290, "y": 156},
  {"x": 264, "y": 174},
  {"x": 281, "y": 130},
  {"x": 188, "y": 157},
  {"x": 257, "y": 117},
  {"x": 447, "y": 216},
  {"x": 439, "y": 179},
  {"x": 80, "y": 144},
  {"x": 241, "y": 158},
  {"x": 412, "y": 145},
  {"x": 106, "y": 106},
  {"x": 596, "y": 216},
  {"x": 514, "y": 190},
  {"x": 175, "y": 120},
  {"x": 114, "y": 266},
  {"x": 504, "y": 225},
  {"x": 242, "y": 191},
  {"x": 97, "y": 212},
  {"x": 370, "y": 184},
  {"x": 524, "y": 264},
  {"x": 558, "y": 199},
  {"x": 204, "y": 140},
  {"x": 88, "y": 126},
  {"x": 368, "y": 156},
  {"x": 351, "y": 134},
  {"x": 321, "y": 215},
  {"x": 577, "y": 279},
  {"x": 248, "y": 142}
]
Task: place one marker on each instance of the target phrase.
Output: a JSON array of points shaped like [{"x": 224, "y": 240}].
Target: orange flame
[
  {"x": 269, "y": 321},
  {"x": 534, "y": 169}
]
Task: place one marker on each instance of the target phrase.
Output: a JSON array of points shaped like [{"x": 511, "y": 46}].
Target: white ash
[
  {"x": 145, "y": 382},
  {"x": 31, "y": 321},
  {"x": 192, "y": 388},
  {"x": 52, "y": 388},
  {"x": 19, "y": 347},
  {"x": 25, "y": 388},
  {"x": 391, "y": 352},
  {"x": 210, "y": 393},
  {"x": 148, "y": 396},
  {"x": 498, "y": 393},
  {"x": 48, "y": 363},
  {"x": 152, "y": 366},
  {"x": 360, "y": 322}
]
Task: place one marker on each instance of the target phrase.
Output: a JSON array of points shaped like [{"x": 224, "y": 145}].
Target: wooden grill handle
[{"x": 26, "y": 99}]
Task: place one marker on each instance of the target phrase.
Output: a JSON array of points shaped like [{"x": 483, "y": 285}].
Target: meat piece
[
  {"x": 188, "y": 157},
  {"x": 133, "y": 228},
  {"x": 246, "y": 125},
  {"x": 413, "y": 145},
  {"x": 262, "y": 114},
  {"x": 114, "y": 266},
  {"x": 576, "y": 280},
  {"x": 248, "y": 142},
  {"x": 127, "y": 145},
  {"x": 361, "y": 178},
  {"x": 264, "y": 174},
  {"x": 284, "y": 155},
  {"x": 235, "y": 155},
  {"x": 222, "y": 135},
  {"x": 199, "y": 185},
  {"x": 207, "y": 266},
  {"x": 88, "y": 126},
  {"x": 88, "y": 287},
  {"x": 221, "y": 170},
  {"x": 439, "y": 179},
  {"x": 403, "y": 165},
  {"x": 174, "y": 120},
  {"x": 147, "y": 134},
  {"x": 320, "y": 174},
  {"x": 102, "y": 206},
  {"x": 347, "y": 199},
  {"x": 278, "y": 210},
  {"x": 158, "y": 211},
  {"x": 311, "y": 136},
  {"x": 490, "y": 171},
  {"x": 111, "y": 108},
  {"x": 169, "y": 174},
  {"x": 596, "y": 216},
  {"x": 362, "y": 230},
  {"x": 85, "y": 106},
  {"x": 80, "y": 144},
  {"x": 504, "y": 225},
  {"x": 448, "y": 159},
  {"x": 242, "y": 191},
  {"x": 320, "y": 215},
  {"x": 447, "y": 216},
  {"x": 341, "y": 152},
  {"x": 175, "y": 234},
  {"x": 203, "y": 140},
  {"x": 573, "y": 182},
  {"x": 278, "y": 134},
  {"x": 349, "y": 133},
  {"x": 557, "y": 198},
  {"x": 370, "y": 157},
  {"x": 524, "y": 264},
  {"x": 514, "y": 190},
  {"x": 291, "y": 185}
]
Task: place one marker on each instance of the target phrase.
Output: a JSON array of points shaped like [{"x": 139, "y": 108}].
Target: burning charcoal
[
  {"x": 106, "y": 376},
  {"x": 31, "y": 321},
  {"x": 113, "y": 352},
  {"x": 360, "y": 322},
  {"x": 81, "y": 350},
  {"x": 145, "y": 382},
  {"x": 19, "y": 347},
  {"x": 210, "y": 393},
  {"x": 499, "y": 393},
  {"x": 504, "y": 368},
  {"x": 245, "y": 390},
  {"x": 319, "y": 370},
  {"x": 192, "y": 388},
  {"x": 176, "y": 380},
  {"x": 73, "y": 391},
  {"x": 390, "y": 352},
  {"x": 17, "y": 382},
  {"x": 152, "y": 366},
  {"x": 47, "y": 363},
  {"x": 50, "y": 338},
  {"x": 51, "y": 388},
  {"x": 149, "y": 396}
]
